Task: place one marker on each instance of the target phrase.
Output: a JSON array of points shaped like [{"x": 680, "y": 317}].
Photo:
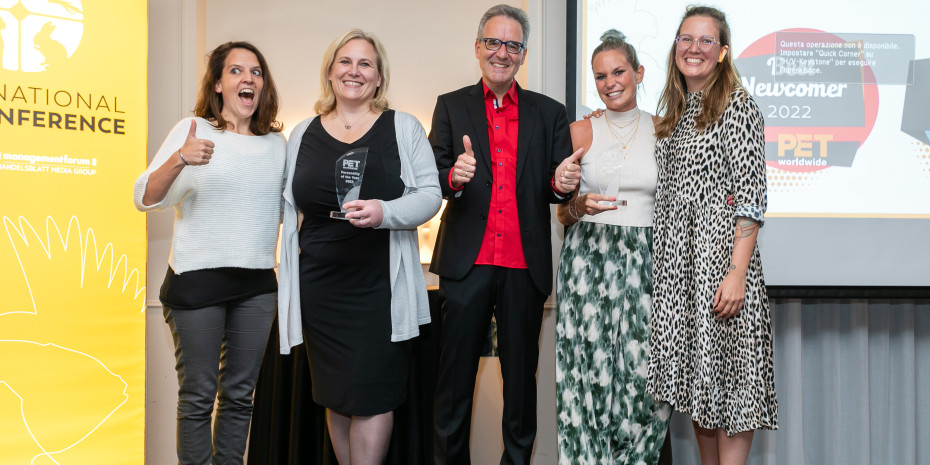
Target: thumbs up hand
[
  {"x": 195, "y": 151},
  {"x": 568, "y": 174},
  {"x": 464, "y": 169}
]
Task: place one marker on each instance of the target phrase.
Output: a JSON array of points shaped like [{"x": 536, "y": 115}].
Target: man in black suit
[{"x": 504, "y": 154}]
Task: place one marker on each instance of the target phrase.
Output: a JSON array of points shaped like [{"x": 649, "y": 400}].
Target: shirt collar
[{"x": 512, "y": 92}]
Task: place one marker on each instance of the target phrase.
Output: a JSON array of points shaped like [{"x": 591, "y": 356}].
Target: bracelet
[
  {"x": 182, "y": 158},
  {"x": 571, "y": 210}
]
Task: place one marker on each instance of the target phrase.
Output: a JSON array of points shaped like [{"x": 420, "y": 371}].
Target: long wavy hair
[
  {"x": 210, "y": 102},
  {"x": 717, "y": 90},
  {"x": 327, "y": 101}
]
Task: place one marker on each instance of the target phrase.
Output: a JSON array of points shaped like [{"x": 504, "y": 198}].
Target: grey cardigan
[{"x": 409, "y": 304}]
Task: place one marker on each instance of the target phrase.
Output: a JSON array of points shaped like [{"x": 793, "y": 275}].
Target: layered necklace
[{"x": 624, "y": 132}]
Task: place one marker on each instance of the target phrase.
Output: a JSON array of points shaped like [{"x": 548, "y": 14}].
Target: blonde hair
[
  {"x": 327, "y": 101},
  {"x": 717, "y": 91},
  {"x": 613, "y": 39}
]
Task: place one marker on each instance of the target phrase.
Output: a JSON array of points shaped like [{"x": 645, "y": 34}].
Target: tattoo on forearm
[{"x": 745, "y": 227}]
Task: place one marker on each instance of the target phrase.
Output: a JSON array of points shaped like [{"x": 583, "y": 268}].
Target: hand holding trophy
[{"x": 350, "y": 169}]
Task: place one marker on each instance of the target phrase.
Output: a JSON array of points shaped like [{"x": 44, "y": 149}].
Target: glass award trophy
[
  {"x": 350, "y": 168},
  {"x": 608, "y": 178}
]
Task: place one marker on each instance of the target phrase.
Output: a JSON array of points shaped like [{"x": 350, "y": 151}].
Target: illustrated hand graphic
[{"x": 64, "y": 378}]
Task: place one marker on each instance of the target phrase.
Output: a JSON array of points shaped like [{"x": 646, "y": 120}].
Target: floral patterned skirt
[{"x": 604, "y": 285}]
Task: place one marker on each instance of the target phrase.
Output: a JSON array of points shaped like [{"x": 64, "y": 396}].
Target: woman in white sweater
[{"x": 223, "y": 172}]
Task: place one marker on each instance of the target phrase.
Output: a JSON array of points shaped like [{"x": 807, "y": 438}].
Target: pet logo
[{"x": 39, "y": 35}]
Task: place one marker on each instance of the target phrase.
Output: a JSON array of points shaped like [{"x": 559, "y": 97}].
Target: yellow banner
[{"x": 73, "y": 123}]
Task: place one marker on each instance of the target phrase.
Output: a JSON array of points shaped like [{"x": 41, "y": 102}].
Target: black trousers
[{"x": 467, "y": 305}]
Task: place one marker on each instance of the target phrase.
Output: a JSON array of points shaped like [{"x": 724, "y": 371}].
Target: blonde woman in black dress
[{"x": 356, "y": 287}]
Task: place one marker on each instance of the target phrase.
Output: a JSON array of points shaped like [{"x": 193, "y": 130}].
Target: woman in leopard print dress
[
  {"x": 604, "y": 415},
  {"x": 712, "y": 331}
]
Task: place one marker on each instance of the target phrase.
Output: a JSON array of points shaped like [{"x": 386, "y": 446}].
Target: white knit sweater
[{"x": 227, "y": 211}]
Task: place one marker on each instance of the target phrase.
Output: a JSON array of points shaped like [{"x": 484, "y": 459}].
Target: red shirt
[{"x": 502, "y": 245}]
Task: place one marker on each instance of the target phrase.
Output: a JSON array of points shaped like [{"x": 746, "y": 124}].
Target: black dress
[{"x": 345, "y": 290}]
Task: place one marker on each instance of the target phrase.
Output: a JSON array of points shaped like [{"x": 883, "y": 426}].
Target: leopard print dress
[{"x": 720, "y": 372}]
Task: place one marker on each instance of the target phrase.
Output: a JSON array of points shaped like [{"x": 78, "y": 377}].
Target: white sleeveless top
[{"x": 630, "y": 174}]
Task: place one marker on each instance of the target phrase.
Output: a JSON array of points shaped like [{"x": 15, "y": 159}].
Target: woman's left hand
[
  {"x": 364, "y": 213},
  {"x": 728, "y": 300}
]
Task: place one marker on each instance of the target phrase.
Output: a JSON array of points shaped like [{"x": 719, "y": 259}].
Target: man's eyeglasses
[
  {"x": 705, "y": 43},
  {"x": 511, "y": 46}
]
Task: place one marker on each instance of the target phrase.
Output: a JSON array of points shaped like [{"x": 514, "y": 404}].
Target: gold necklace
[
  {"x": 624, "y": 125},
  {"x": 629, "y": 136},
  {"x": 349, "y": 126}
]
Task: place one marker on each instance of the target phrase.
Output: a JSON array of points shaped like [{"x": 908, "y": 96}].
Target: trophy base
[
  {"x": 339, "y": 215},
  {"x": 618, "y": 203}
]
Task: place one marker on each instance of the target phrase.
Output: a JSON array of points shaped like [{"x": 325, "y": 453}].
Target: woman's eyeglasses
[{"x": 705, "y": 43}]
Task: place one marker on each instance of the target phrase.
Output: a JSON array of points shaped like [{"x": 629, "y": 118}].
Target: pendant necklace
[{"x": 349, "y": 126}]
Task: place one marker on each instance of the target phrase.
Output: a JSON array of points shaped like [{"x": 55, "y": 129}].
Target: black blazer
[{"x": 543, "y": 142}]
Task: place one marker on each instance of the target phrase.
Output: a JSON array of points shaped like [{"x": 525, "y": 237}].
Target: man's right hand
[{"x": 464, "y": 169}]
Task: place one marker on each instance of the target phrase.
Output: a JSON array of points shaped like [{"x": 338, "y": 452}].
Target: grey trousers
[{"x": 219, "y": 351}]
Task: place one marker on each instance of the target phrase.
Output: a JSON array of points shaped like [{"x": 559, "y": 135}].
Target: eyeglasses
[
  {"x": 512, "y": 46},
  {"x": 705, "y": 43}
]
